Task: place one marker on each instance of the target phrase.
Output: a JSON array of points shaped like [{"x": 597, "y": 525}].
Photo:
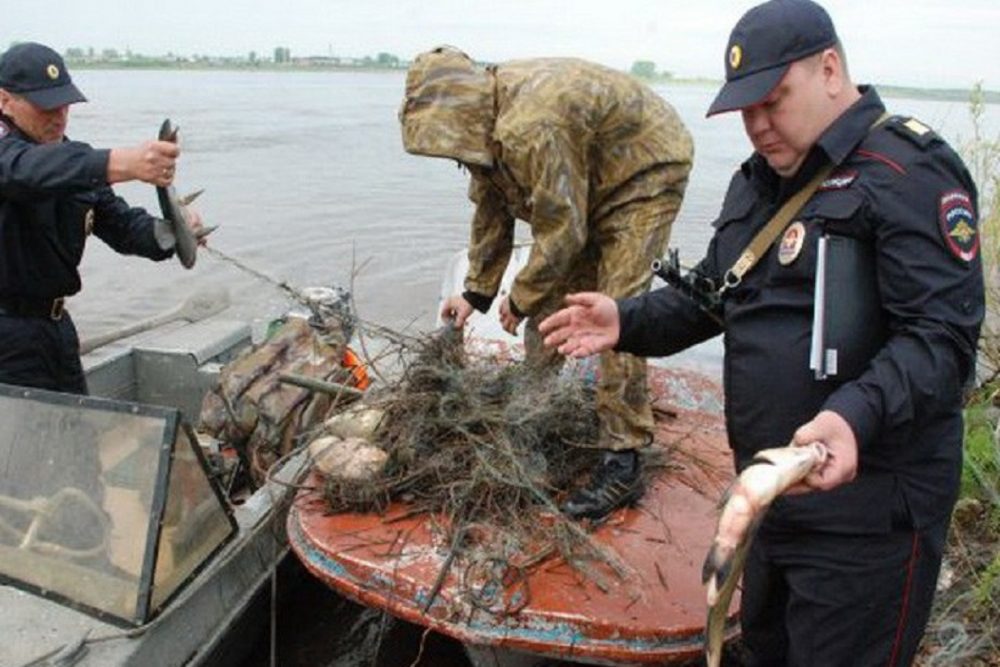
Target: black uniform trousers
[
  {"x": 41, "y": 352},
  {"x": 815, "y": 599}
]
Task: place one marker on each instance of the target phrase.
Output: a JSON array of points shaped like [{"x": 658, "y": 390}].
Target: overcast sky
[{"x": 928, "y": 43}]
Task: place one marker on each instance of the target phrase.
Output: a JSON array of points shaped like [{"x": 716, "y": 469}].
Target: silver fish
[
  {"x": 769, "y": 474},
  {"x": 186, "y": 245}
]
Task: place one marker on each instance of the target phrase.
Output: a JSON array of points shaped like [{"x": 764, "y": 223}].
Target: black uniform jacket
[
  {"x": 901, "y": 190},
  {"x": 51, "y": 197}
]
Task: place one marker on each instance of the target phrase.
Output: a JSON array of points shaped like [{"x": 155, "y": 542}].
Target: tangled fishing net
[{"x": 486, "y": 447}]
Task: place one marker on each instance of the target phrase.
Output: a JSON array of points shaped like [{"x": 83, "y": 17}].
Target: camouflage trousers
[{"x": 615, "y": 262}]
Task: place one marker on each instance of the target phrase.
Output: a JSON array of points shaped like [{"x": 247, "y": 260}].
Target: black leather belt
[{"x": 48, "y": 308}]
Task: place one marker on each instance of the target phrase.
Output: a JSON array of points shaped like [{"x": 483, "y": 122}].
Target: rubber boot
[{"x": 615, "y": 483}]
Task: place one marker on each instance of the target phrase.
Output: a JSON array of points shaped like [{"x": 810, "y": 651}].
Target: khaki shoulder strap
[{"x": 766, "y": 236}]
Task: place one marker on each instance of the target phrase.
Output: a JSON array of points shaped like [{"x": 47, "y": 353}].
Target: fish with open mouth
[
  {"x": 172, "y": 209},
  {"x": 770, "y": 473}
]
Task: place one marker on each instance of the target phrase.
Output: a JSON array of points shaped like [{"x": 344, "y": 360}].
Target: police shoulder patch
[
  {"x": 957, "y": 221},
  {"x": 912, "y": 130}
]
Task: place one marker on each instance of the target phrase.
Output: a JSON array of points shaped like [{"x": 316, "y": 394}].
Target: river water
[{"x": 305, "y": 176}]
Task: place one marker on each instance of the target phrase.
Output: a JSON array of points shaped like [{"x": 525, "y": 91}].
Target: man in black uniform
[
  {"x": 844, "y": 575},
  {"x": 53, "y": 193}
]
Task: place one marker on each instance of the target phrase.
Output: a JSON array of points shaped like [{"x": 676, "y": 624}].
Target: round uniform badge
[
  {"x": 735, "y": 56},
  {"x": 52, "y": 71},
  {"x": 791, "y": 243}
]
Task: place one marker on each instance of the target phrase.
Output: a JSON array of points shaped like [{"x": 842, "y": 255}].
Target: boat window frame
[{"x": 175, "y": 431}]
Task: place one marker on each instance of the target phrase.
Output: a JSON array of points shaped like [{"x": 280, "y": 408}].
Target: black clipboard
[{"x": 848, "y": 323}]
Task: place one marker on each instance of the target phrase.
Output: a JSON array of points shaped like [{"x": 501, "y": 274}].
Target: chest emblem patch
[
  {"x": 791, "y": 243},
  {"x": 958, "y": 224},
  {"x": 840, "y": 180}
]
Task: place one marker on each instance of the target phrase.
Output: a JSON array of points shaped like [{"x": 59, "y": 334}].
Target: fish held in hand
[
  {"x": 172, "y": 209},
  {"x": 770, "y": 473}
]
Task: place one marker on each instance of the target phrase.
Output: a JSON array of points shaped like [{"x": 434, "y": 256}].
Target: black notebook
[{"x": 848, "y": 324}]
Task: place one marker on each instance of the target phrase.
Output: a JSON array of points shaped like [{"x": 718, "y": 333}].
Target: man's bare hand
[
  {"x": 841, "y": 465},
  {"x": 196, "y": 225},
  {"x": 508, "y": 320},
  {"x": 152, "y": 162},
  {"x": 588, "y": 325},
  {"x": 456, "y": 309}
]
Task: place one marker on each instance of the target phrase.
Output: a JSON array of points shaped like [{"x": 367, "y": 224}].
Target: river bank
[{"x": 372, "y": 65}]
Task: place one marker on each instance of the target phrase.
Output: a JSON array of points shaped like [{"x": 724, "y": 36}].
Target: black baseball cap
[
  {"x": 38, "y": 74},
  {"x": 764, "y": 43}
]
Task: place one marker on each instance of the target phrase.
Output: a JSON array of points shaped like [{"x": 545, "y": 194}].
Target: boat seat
[{"x": 172, "y": 365}]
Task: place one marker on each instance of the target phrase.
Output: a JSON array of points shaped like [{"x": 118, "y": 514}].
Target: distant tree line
[
  {"x": 646, "y": 69},
  {"x": 281, "y": 57}
]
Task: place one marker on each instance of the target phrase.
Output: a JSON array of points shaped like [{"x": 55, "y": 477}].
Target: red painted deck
[{"x": 655, "y": 614}]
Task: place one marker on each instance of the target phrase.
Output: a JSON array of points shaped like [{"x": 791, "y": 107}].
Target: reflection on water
[{"x": 305, "y": 174}]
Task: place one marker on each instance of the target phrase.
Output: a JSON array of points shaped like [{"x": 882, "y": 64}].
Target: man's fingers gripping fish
[{"x": 769, "y": 474}]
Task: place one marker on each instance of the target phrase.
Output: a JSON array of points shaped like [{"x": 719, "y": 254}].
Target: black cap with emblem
[
  {"x": 764, "y": 43},
  {"x": 38, "y": 74}
]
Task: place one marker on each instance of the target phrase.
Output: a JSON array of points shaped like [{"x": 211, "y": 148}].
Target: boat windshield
[{"x": 104, "y": 505}]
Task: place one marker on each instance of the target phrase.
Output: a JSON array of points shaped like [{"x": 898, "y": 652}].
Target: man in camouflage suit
[{"x": 596, "y": 163}]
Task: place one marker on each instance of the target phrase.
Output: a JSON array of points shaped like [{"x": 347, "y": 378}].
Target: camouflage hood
[{"x": 448, "y": 108}]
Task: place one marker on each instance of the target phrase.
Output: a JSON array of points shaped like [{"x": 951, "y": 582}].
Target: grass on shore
[{"x": 965, "y": 622}]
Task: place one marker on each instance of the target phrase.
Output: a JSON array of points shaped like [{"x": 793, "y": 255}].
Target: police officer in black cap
[
  {"x": 843, "y": 574},
  {"x": 53, "y": 194}
]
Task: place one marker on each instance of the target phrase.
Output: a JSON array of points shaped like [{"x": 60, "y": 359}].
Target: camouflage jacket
[{"x": 557, "y": 143}]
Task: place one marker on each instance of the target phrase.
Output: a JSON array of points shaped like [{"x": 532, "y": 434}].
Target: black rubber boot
[{"x": 616, "y": 482}]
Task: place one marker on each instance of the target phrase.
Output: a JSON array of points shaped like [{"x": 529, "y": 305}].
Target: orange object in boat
[{"x": 356, "y": 367}]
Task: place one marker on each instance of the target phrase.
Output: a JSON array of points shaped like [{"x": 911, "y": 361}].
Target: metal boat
[{"x": 117, "y": 546}]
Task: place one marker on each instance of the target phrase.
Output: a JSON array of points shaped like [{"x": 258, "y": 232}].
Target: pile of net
[{"x": 487, "y": 448}]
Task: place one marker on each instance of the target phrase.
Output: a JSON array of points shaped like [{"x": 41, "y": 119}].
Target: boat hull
[
  {"x": 654, "y": 614},
  {"x": 207, "y": 622}
]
